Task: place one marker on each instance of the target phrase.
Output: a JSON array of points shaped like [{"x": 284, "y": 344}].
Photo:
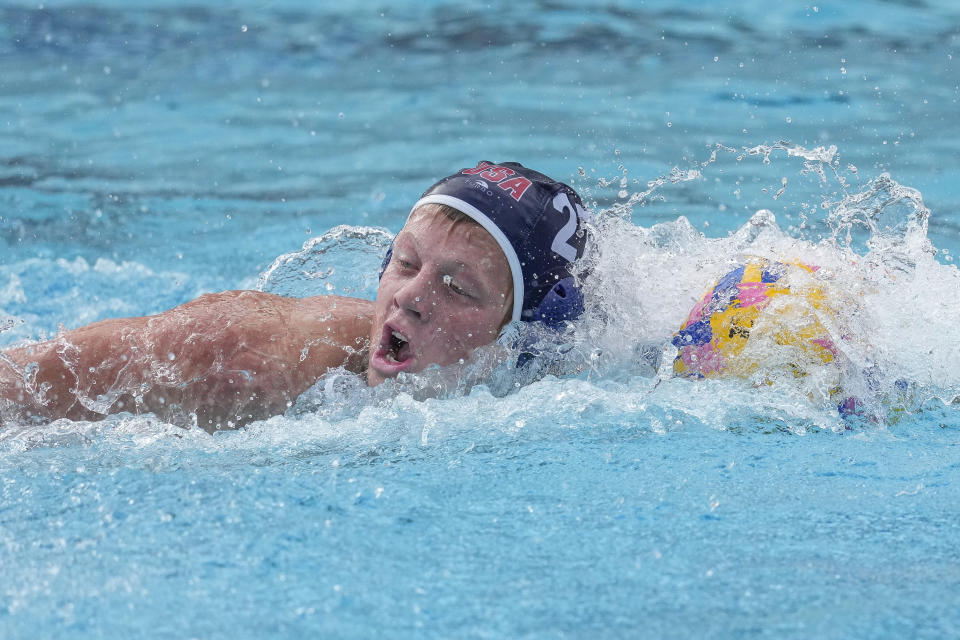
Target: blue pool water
[{"x": 151, "y": 152}]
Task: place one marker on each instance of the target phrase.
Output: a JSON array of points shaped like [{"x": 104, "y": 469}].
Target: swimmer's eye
[
  {"x": 457, "y": 289},
  {"x": 403, "y": 264}
]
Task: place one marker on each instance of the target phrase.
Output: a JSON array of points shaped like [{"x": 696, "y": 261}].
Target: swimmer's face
[{"x": 446, "y": 291}]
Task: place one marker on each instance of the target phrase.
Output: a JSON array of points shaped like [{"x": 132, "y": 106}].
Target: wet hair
[{"x": 455, "y": 215}]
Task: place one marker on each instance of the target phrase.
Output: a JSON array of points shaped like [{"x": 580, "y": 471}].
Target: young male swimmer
[{"x": 483, "y": 247}]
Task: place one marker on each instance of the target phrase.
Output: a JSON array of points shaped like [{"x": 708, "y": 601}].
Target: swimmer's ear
[
  {"x": 564, "y": 302},
  {"x": 386, "y": 261}
]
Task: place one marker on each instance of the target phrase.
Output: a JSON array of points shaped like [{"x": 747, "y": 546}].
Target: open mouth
[
  {"x": 398, "y": 348},
  {"x": 394, "y": 353}
]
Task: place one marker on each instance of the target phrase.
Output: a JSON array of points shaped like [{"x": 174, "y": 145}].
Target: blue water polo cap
[{"x": 538, "y": 223}]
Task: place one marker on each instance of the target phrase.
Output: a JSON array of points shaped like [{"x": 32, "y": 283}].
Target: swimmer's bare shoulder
[{"x": 227, "y": 357}]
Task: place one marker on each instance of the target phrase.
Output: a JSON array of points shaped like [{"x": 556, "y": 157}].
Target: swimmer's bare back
[{"x": 228, "y": 358}]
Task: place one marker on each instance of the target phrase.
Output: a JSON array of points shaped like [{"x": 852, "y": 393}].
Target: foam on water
[
  {"x": 602, "y": 497},
  {"x": 894, "y": 305},
  {"x": 480, "y": 486},
  {"x": 894, "y": 308}
]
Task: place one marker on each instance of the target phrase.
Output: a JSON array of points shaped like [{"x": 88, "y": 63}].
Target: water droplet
[
  {"x": 789, "y": 119},
  {"x": 171, "y": 356},
  {"x": 243, "y": 28}
]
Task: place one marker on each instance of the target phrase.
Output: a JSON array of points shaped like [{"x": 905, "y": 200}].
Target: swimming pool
[{"x": 153, "y": 152}]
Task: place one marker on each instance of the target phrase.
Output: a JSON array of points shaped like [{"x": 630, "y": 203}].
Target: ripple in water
[{"x": 893, "y": 308}]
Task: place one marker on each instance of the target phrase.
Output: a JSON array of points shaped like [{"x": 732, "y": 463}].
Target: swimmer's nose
[{"x": 415, "y": 296}]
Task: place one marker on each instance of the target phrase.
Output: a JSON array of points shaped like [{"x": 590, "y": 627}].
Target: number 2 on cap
[{"x": 561, "y": 243}]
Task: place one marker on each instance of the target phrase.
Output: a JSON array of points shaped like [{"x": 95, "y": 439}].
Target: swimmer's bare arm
[{"x": 227, "y": 357}]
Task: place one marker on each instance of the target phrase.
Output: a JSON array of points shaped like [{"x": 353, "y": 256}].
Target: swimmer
[{"x": 487, "y": 246}]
